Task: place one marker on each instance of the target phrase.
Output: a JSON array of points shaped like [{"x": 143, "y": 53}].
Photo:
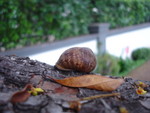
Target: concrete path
[{"x": 142, "y": 72}]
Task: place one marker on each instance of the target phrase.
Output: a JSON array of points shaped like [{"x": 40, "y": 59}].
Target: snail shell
[{"x": 80, "y": 59}]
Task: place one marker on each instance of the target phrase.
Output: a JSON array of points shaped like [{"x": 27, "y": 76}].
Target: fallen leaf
[
  {"x": 141, "y": 91},
  {"x": 123, "y": 110},
  {"x": 21, "y": 96},
  {"x": 36, "y": 91},
  {"x": 97, "y": 82},
  {"x": 141, "y": 84}
]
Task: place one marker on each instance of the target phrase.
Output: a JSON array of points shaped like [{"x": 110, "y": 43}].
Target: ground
[{"x": 142, "y": 72}]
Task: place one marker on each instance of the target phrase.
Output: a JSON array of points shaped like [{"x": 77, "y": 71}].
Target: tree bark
[{"x": 17, "y": 72}]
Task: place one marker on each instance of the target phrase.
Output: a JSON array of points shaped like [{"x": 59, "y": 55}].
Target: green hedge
[
  {"x": 121, "y": 13},
  {"x": 141, "y": 54},
  {"x": 64, "y": 18}
]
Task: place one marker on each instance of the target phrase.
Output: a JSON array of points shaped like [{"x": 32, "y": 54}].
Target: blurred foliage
[
  {"x": 110, "y": 65},
  {"x": 121, "y": 13},
  {"x": 127, "y": 65},
  {"x": 107, "y": 65},
  {"x": 64, "y": 18},
  {"x": 141, "y": 54}
]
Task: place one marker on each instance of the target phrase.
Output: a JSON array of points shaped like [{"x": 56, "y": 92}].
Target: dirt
[
  {"x": 16, "y": 72},
  {"x": 142, "y": 72}
]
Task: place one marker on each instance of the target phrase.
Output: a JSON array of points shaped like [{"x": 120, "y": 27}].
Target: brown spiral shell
[{"x": 80, "y": 59}]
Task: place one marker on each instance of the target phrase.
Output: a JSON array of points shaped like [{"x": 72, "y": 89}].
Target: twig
[
  {"x": 77, "y": 104},
  {"x": 99, "y": 96}
]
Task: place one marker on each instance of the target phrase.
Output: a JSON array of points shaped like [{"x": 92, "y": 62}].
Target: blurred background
[{"x": 32, "y": 23}]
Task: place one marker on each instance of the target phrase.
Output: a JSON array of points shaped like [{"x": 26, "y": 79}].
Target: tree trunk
[{"x": 18, "y": 72}]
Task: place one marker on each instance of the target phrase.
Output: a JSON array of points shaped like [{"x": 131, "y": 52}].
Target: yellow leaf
[
  {"x": 141, "y": 91},
  {"x": 39, "y": 90},
  {"x": 141, "y": 84},
  {"x": 123, "y": 110},
  {"x": 36, "y": 91}
]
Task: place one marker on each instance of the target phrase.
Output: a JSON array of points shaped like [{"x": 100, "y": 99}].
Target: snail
[{"x": 80, "y": 59}]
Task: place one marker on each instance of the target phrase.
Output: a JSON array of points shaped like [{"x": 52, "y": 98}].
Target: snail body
[{"x": 80, "y": 59}]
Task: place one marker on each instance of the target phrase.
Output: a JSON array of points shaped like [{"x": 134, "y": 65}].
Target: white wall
[
  {"x": 123, "y": 44},
  {"x": 117, "y": 45}
]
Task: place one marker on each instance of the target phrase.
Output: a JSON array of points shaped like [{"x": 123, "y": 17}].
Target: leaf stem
[{"x": 99, "y": 96}]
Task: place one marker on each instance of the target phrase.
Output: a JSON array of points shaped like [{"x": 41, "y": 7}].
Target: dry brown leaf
[
  {"x": 97, "y": 82},
  {"x": 21, "y": 96}
]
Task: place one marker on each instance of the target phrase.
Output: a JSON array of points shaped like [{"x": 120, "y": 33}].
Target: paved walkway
[{"x": 142, "y": 72}]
